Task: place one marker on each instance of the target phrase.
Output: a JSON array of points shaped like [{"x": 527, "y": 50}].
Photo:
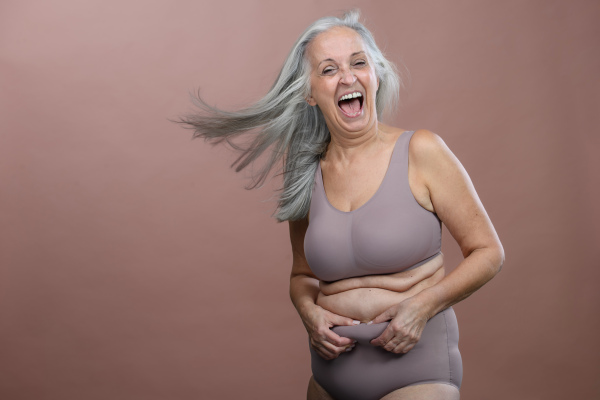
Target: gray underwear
[{"x": 370, "y": 372}]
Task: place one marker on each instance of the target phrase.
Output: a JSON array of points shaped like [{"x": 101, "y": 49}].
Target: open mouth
[{"x": 351, "y": 104}]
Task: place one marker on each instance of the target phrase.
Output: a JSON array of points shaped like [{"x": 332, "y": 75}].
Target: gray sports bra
[{"x": 391, "y": 232}]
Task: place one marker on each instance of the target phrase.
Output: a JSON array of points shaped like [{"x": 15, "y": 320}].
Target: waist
[
  {"x": 364, "y": 333},
  {"x": 364, "y": 298}
]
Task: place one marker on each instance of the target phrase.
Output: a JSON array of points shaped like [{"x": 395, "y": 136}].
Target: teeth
[{"x": 350, "y": 96}]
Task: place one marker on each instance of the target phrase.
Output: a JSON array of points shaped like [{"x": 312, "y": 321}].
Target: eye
[
  {"x": 328, "y": 70},
  {"x": 360, "y": 63}
]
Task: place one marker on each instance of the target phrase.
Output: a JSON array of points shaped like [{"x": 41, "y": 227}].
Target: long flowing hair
[{"x": 282, "y": 121}]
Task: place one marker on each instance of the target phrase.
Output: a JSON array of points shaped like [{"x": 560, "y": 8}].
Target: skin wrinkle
[{"x": 400, "y": 281}]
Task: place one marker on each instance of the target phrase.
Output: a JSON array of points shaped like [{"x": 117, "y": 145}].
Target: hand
[
  {"x": 323, "y": 340},
  {"x": 408, "y": 320}
]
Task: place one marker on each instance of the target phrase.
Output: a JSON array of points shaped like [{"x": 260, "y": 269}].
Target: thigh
[
  {"x": 428, "y": 391},
  {"x": 316, "y": 392}
]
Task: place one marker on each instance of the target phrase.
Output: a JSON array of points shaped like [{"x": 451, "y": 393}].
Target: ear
[{"x": 311, "y": 101}]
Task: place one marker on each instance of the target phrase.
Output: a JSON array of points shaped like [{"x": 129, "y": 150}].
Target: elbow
[
  {"x": 492, "y": 260},
  {"x": 498, "y": 259}
]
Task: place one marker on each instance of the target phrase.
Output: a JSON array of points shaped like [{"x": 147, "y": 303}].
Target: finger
[
  {"x": 326, "y": 350},
  {"x": 341, "y": 349},
  {"x": 396, "y": 345},
  {"x": 398, "y": 340},
  {"x": 324, "y": 353},
  {"x": 383, "y": 317},
  {"x": 404, "y": 347},
  {"x": 382, "y": 339},
  {"x": 332, "y": 351},
  {"x": 406, "y": 343},
  {"x": 385, "y": 337},
  {"x": 327, "y": 355},
  {"x": 339, "y": 320},
  {"x": 337, "y": 340}
]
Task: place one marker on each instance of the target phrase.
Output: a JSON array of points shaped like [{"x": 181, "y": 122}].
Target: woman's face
[{"x": 343, "y": 81}]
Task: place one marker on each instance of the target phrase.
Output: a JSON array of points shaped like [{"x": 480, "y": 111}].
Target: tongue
[{"x": 351, "y": 106}]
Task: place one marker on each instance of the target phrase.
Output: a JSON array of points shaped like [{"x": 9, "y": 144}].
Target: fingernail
[
  {"x": 355, "y": 322},
  {"x": 348, "y": 349},
  {"x": 369, "y": 323}
]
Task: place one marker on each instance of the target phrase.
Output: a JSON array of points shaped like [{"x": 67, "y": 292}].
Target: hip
[{"x": 370, "y": 372}]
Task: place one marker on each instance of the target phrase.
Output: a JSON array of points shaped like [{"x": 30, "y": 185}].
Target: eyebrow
[{"x": 351, "y": 55}]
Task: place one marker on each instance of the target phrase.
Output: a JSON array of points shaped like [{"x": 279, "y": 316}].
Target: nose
[{"x": 348, "y": 77}]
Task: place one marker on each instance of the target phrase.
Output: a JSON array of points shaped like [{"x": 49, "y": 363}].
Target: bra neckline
[{"x": 387, "y": 172}]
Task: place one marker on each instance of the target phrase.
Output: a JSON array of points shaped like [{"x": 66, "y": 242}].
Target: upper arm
[
  {"x": 299, "y": 263},
  {"x": 452, "y": 194}
]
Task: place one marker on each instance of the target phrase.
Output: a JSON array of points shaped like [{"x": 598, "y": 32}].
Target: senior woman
[{"x": 365, "y": 202}]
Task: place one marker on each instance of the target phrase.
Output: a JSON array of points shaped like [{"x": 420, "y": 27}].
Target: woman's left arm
[{"x": 456, "y": 203}]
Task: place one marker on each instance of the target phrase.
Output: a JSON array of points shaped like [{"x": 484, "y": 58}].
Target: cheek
[
  {"x": 321, "y": 92},
  {"x": 315, "y": 87},
  {"x": 314, "y": 92},
  {"x": 369, "y": 77}
]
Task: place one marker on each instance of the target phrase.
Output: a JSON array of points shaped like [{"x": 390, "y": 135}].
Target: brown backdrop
[{"x": 133, "y": 264}]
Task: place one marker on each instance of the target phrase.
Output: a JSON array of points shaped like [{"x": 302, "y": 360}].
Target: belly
[{"x": 364, "y": 304}]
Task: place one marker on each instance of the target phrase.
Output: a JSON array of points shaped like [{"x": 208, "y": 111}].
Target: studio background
[{"x": 133, "y": 264}]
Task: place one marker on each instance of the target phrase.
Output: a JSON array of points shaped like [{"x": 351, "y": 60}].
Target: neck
[{"x": 346, "y": 145}]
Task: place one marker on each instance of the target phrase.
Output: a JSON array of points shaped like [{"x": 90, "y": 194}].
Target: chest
[
  {"x": 350, "y": 187},
  {"x": 388, "y": 233}
]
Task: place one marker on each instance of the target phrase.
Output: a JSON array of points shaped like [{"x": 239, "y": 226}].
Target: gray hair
[{"x": 283, "y": 121}]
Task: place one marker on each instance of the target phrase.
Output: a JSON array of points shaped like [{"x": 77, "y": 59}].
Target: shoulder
[
  {"x": 431, "y": 158},
  {"x": 427, "y": 149},
  {"x": 425, "y": 142}
]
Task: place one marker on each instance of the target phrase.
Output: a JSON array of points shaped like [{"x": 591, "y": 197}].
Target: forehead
[{"x": 337, "y": 43}]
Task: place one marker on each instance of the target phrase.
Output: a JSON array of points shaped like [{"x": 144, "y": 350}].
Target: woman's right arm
[{"x": 304, "y": 290}]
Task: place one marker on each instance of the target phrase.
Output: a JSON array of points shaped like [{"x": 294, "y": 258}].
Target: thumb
[
  {"x": 339, "y": 320},
  {"x": 383, "y": 317}
]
